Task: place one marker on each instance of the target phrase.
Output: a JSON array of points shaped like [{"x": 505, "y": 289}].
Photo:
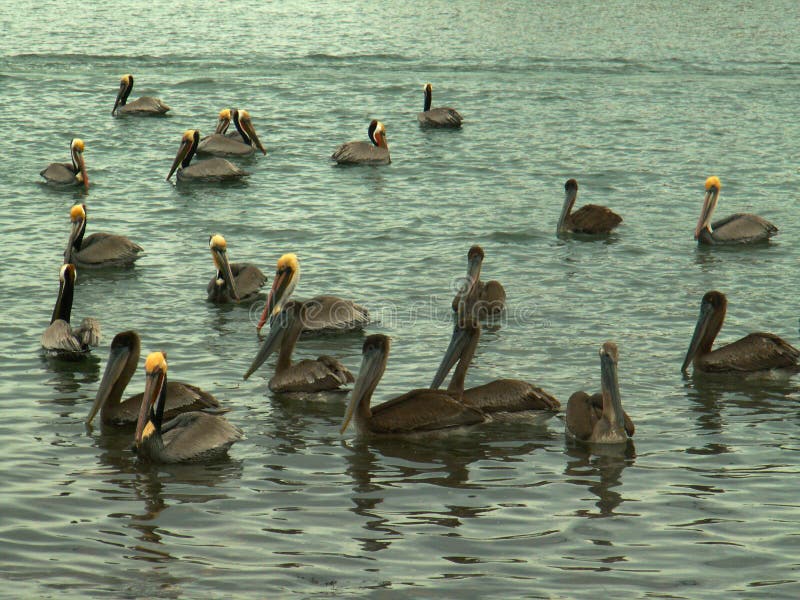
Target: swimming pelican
[
  {"x": 146, "y": 105},
  {"x": 591, "y": 218},
  {"x": 73, "y": 173},
  {"x": 325, "y": 373},
  {"x": 741, "y": 228},
  {"x": 374, "y": 152},
  {"x": 417, "y": 411},
  {"x": 212, "y": 169},
  {"x": 755, "y": 352},
  {"x": 60, "y": 339},
  {"x": 122, "y": 360},
  {"x": 189, "y": 437},
  {"x": 323, "y": 314},
  {"x": 234, "y": 282},
  {"x": 441, "y": 116},
  {"x": 600, "y": 418},
  {"x": 98, "y": 249},
  {"x": 242, "y": 142},
  {"x": 500, "y": 395},
  {"x": 477, "y": 299}
]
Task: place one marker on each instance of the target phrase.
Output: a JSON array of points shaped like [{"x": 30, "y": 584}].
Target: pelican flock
[{"x": 179, "y": 422}]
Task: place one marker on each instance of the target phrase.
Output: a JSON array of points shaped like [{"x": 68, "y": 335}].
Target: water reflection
[
  {"x": 69, "y": 375},
  {"x": 598, "y": 468}
]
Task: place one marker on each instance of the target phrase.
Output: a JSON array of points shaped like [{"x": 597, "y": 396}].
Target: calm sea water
[{"x": 639, "y": 101}]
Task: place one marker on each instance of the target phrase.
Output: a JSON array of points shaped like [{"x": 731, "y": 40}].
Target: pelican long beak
[
  {"x": 282, "y": 287},
  {"x": 247, "y": 125},
  {"x": 120, "y": 94},
  {"x": 117, "y": 359},
  {"x": 81, "y": 175},
  {"x": 612, "y": 403},
  {"x": 224, "y": 269},
  {"x": 706, "y": 312},
  {"x": 709, "y": 204},
  {"x": 183, "y": 152},
  {"x": 152, "y": 390},
  {"x": 278, "y": 327},
  {"x": 373, "y": 364},
  {"x": 77, "y": 227},
  {"x": 222, "y": 125},
  {"x": 458, "y": 342},
  {"x": 570, "y": 196}
]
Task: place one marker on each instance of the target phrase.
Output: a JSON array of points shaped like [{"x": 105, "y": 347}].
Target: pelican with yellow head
[
  {"x": 241, "y": 142},
  {"x": 233, "y": 282},
  {"x": 144, "y": 106},
  {"x": 212, "y": 169},
  {"x": 741, "y": 228},
  {"x": 98, "y": 249},
  {"x": 71, "y": 173}
]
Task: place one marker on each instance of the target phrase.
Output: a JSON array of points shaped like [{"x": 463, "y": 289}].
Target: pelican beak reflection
[
  {"x": 713, "y": 186},
  {"x": 373, "y": 363},
  {"x": 154, "y": 391},
  {"x": 287, "y": 275},
  {"x": 219, "y": 252}
]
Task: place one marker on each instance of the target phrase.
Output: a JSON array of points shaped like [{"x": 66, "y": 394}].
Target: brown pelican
[
  {"x": 417, "y": 411},
  {"x": 441, "y": 116},
  {"x": 60, "y": 339},
  {"x": 213, "y": 169},
  {"x": 146, "y": 105},
  {"x": 325, "y": 373},
  {"x": 242, "y": 142},
  {"x": 324, "y": 314},
  {"x": 374, "y": 152},
  {"x": 600, "y": 418},
  {"x": 478, "y": 299},
  {"x": 73, "y": 173},
  {"x": 591, "y": 218},
  {"x": 122, "y": 360},
  {"x": 500, "y": 395},
  {"x": 98, "y": 249},
  {"x": 755, "y": 352},
  {"x": 233, "y": 282},
  {"x": 191, "y": 436},
  {"x": 741, "y": 228}
]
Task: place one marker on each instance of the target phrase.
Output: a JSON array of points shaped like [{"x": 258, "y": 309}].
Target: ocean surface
[{"x": 640, "y": 101}]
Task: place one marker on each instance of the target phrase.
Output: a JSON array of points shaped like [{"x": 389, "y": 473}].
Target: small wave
[{"x": 356, "y": 57}]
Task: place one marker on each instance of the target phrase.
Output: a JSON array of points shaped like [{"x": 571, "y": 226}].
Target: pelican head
[
  {"x": 76, "y": 147},
  {"x": 223, "y": 121},
  {"x": 155, "y": 388},
  {"x": 219, "y": 252},
  {"x": 241, "y": 118},
  {"x": 374, "y": 355},
  {"x": 427, "y": 89},
  {"x": 712, "y": 314},
  {"x": 713, "y": 186},
  {"x": 125, "y": 87},
  {"x": 189, "y": 141},
  {"x": 122, "y": 357},
  {"x": 377, "y": 133},
  {"x": 66, "y": 286},
  {"x": 459, "y": 342},
  {"x": 77, "y": 216},
  {"x": 570, "y": 195},
  {"x": 287, "y": 274},
  {"x": 290, "y": 317},
  {"x": 611, "y": 428}
]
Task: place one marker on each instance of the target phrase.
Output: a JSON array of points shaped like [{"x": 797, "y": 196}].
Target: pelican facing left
[
  {"x": 754, "y": 352},
  {"x": 600, "y": 418},
  {"x": 189, "y": 437},
  {"x": 590, "y": 219},
  {"x": 417, "y": 411},
  {"x": 233, "y": 282},
  {"x": 741, "y": 228},
  {"x": 146, "y": 105},
  {"x": 212, "y": 169},
  {"x": 441, "y": 116},
  {"x": 60, "y": 338},
  {"x": 122, "y": 360},
  {"x": 99, "y": 249},
  {"x": 73, "y": 173}
]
